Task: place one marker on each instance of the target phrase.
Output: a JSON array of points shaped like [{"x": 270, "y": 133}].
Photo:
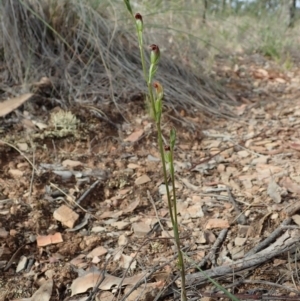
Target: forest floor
[{"x": 80, "y": 203}]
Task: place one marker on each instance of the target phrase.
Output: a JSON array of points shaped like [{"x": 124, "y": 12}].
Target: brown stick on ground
[
  {"x": 282, "y": 244},
  {"x": 241, "y": 218},
  {"x": 259, "y": 297},
  {"x": 212, "y": 253},
  {"x": 270, "y": 238}
]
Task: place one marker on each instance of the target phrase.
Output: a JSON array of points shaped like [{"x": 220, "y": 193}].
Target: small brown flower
[
  {"x": 138, "y": 16},
  {"x": 159, "y": 90}
]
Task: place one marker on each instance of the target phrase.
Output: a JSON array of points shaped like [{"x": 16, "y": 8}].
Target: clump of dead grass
[{"x": 90, "y": 57}]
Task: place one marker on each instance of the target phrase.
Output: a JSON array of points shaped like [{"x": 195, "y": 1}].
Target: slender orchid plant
[{"x": 155, "y": 98}]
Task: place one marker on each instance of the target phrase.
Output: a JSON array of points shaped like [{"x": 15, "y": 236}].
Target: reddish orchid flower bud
[
  {"x": 139, "y": 21},
  {"x": 155, "y": 54},
  {"x": 159, "y": 90}
]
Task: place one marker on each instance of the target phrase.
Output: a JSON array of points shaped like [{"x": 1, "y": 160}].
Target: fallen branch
[
  {"x": 259, "y": 297},
  {"x": 281, "y": 245},
  {"x": 270, "y": 238}
]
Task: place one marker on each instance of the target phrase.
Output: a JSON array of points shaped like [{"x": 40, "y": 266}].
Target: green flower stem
[
  {"x": 173, "y": 214},
  {"x": 163, "y": 160},
  {"x": 171, "y": 205},
  {"x": 142, "y": 53},
  {"x": 176, "y": 230},
  {"x": 152, "y": 102}
]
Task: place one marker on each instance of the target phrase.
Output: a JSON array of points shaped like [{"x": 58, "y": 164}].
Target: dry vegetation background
[
  {"x": 88, "y": 51},
  {"x": 231, "y": 82}
]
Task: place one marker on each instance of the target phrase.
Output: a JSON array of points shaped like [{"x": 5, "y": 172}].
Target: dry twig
[
  {"x": 212, "y": 253},
  {"x": 284, "y": 243},
  {"x": 241, "y": 218},
  {"x": 270, "y": 238}
]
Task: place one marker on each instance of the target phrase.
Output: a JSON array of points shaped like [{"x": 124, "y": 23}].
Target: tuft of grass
[
  {"x": 62, "y": 120},
  {"x": 86, "y": 49}
]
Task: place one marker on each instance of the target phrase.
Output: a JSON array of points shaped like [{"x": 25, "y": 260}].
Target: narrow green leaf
[
  {"x": 172, "y": 138},
  {"x": 128, "y": 5}
]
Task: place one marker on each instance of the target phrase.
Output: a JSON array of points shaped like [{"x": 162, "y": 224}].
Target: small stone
[
  {"x": 123, "y": 240},
  {"x": 296, "y": 219},
  {"x": 237, "y": 253},
  {"x": 195, "y": 211},
  {"x": 3, "y": 233},
  {"x": 243, "y": 230},
  {"x": 12, "y": 232},
  {"x": 201, "y": 239},
  {"x": 22, "y": 264},
  {"x": 221, "y": 168},
  {"x": 98, "y": 229},
  {"x": 133, "y": 166},
  {"x": 45, "y": 240},
  {"x": 243, "y": 154},
  {"x": 196, "y": 199},
  {"x": 142, "y": 180},
  {"x": 153, "y": 159},
  {"x": 135, "y": 136},
  {"x": 66, "y": 216},
  {"x": 99, "y": 251},
  {"x": 163, "y": 189},
  {"x": 16, "y": 173},
  {"x": 71, "y": 163},
  {"x": 140, "y": 229},
  {"x": 23, "y": 146},
  {"x": 217, "y": 223},
  {"x": 210, "y": 237},
  {"x": 121, "y": 225},
  {"x": 239, "y": 241}
]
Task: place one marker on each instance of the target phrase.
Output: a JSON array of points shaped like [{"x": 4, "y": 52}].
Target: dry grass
[
  {"x": 90, "y": 54},
  {"x": 181, "y": 28},
  {"x": 89, "y": 51}
]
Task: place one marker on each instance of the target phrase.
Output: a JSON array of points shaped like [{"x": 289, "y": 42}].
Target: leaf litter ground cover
[{"x": 84, "y": 211}]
